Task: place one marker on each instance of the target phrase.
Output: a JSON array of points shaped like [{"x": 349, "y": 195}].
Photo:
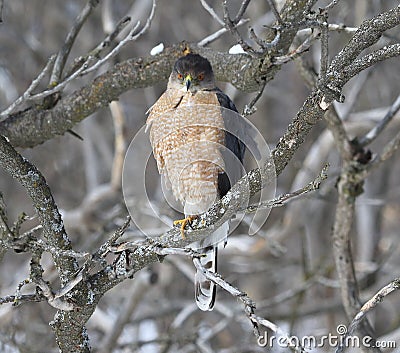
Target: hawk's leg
[{"x": 183, "y": 222}]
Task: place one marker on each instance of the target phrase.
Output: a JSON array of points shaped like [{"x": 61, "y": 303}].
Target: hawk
[{"x": 194, "y": 152}]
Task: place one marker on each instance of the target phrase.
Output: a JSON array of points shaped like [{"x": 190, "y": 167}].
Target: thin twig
[
  {"x": 85, "y": 67},
  {"x": 390, "y": 148},
  {"x": 129, "y": 38},
  {"x": 61, "y": 85},
  {"x": 27, "y": 94},
  {"x": 250, "y": 108},
  {"x": 78, "y": 69},
  {"x": 105, "y": 248},
  {"x": 331, "y": 5},
  {"x": 36, "y": 277},
  {"x": 140, "y": 288},
  {"x": 69, "y": 41},
  {"x": 214, "y": 36},
  {"x": 114, "y": 52},
  {"x": 231, "y": 26},
  {"x": 275, "y": 11},
  {"x": 360, "y": 64},
  {"x": 120, "y": 144},
  {"x": 110, "y": 38},
  {"x": 264, "y": 44},
  {"x": 342, "y": 27},
  {"x": 249, "y": 306},
  {"x": 303, "y": 47},
  {"x": 373, "y": 302},
  {"x": 324, "y": 47},
  {"x": 211, "y": 11},
  {"x": 95, "y": 53},
  {"x": 23, "y": 298},
  {"x": 367, "y": 307},
  {"x": 374, "y": 133},
  {"x": 285, "y": 198},
  {"x": 242, "y": 10}
]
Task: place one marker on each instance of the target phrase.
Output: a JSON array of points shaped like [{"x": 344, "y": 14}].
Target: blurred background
[{"x": 287, "y": 267}]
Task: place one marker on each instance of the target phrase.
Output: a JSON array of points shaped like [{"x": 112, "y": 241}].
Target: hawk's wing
[
  {"x": 233, "y": 156},
  {"x": 239, "y": 134}
]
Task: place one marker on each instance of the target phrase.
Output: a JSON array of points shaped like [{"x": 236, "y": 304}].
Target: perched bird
[{"x": 194, "y": 152}]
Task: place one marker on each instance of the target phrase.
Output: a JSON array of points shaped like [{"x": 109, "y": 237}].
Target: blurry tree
[{"x": 312, "y": 269}]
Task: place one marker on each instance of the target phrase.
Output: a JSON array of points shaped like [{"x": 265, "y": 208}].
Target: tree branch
[
  {"x": 38, "y": 190},
  {"x": 62, "y": 55},
  {"x": 367, "y": 307},
  {"x": 35, "y": 125}
]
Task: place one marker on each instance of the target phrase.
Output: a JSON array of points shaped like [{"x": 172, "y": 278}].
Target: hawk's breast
[{"x": 186, "y": 133}]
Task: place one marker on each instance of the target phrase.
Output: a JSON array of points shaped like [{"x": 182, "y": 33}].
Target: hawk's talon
[{"x": 183, "y": 222}]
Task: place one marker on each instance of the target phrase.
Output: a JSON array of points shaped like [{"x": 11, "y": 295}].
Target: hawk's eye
[
  {"x": 200, "y": 77},
  {"x": 180, "y": 76}
]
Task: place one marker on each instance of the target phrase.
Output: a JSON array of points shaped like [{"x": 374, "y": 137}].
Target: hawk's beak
[{"x": 188, "y": 81}]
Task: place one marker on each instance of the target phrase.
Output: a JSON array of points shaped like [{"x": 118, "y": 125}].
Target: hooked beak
[{"x": 188, "y": 82}]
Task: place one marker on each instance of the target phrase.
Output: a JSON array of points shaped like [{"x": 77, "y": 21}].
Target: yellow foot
[{"x": 183, "y": 223}]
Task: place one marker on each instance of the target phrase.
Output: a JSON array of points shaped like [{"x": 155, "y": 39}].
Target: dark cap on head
[{"x": 194, "y": 63}]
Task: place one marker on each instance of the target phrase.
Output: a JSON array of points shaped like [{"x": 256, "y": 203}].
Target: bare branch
[
  {"x": 367, "y": 34},
  {"x": 368, "y": 60},
  {"x": 27, "y": 94},
  {"x": 231, "y": 26},
  {"x": 87, "y": 284},
  {"x": 108, "y": 86},
  {"x": 111, "y": 37},
  {"x": 249, "y": 306},
  {"x": 324, "y": 62},
  {"x": 332, "y": 4},
  {"x": 373, "y": 302},
  {"x": 53, "y": 230},
  {"x": 242, "y": 10},
  {"x": 20, "y": 299},
  {"x": 35, "y": 184},
  {"x": 211, "y": 11},
  {"x": 212, "y": 37},
  {"x": 62, "y": 55},
  {"x": 62, "y": 84},
  {"x": 274, "y": 10},
  {"x": 139, "y": 289},
  {"x": 265, "y": 46},
  {"x": 129, "y": 38},
  {"x": 374, "y": 133},
  {"x": 36, "y": 277},
  {"x": 119, "y": 142},
  {"x": 303, "y": 47},
  {"x": 250, "y": 108},
  {"x": 367, "y": 307},
  {"x": 79, "y": 68},
  {"x": 285, "y": 198}
]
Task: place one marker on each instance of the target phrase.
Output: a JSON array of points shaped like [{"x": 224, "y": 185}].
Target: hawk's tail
[{"x": 205, "y": 290}]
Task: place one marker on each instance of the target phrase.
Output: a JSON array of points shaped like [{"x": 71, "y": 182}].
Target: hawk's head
[{"x": 192, "y": 73}]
